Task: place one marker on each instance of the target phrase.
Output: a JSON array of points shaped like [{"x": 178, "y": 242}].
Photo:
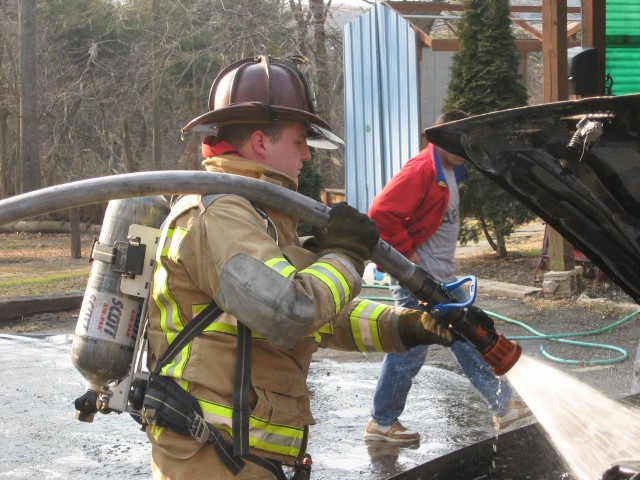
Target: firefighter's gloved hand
[
  {"x": 481, "y": 317},
  {"x": 349, "y": 233},
  {"x": 420, "y": 328}
]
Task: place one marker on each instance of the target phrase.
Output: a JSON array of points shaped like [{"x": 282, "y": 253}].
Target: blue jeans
[{"x": 399, "y": 369}]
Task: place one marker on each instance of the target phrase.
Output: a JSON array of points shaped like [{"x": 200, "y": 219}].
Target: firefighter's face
[{"x": 288, "y": 151}]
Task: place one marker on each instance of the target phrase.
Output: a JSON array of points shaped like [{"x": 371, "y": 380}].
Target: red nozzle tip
[{"x": 503, "y": 355}]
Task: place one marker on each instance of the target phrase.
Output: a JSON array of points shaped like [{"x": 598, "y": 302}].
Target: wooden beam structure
[
  {"x": 410, "y": 10},
  {"x": 554, "y": 50},
  {"x": 431, "y": 7}
]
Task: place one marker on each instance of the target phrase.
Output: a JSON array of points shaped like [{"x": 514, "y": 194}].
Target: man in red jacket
[{"x": 417, "y": 213}]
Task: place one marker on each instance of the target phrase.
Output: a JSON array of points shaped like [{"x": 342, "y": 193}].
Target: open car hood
[{"x": 575, "y": 163}]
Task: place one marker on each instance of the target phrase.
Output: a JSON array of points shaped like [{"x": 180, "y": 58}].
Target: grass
[{"x": 51, "y": 283}]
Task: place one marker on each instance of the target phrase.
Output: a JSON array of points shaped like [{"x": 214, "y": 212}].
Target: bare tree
[
  {"x": 117, "y": 80},
  {"x": 9, "y": 86},
  {"x": 29, "y": 148}
]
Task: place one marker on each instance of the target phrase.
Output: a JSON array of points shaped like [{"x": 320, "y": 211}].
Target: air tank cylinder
[{"x": 108, "y": 322}]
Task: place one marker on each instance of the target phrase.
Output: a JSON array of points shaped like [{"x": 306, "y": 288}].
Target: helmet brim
[{"x": 320, "y": 134}]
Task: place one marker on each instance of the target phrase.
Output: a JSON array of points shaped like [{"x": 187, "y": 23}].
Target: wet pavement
[{"x": 41, "y": 439}]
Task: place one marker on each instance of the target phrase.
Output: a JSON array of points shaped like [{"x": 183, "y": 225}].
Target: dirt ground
[{"x": 40, "y": 264}]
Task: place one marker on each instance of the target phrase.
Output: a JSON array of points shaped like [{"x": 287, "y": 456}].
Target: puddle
[{"x": 38, "y": 418}]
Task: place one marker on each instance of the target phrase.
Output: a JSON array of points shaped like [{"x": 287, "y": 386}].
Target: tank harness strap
[
  {"x": 241, "y": 411},
  {"x": 188, "y": 333},
  {"x": 169, "y": 405},
  {"x": 242, "y": 382}
]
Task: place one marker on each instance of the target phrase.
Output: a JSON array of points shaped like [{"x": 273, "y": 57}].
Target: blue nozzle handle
[{"x": 442, "y": 308}]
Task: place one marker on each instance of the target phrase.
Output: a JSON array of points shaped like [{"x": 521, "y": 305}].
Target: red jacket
[{"x": 410, "y": 208}]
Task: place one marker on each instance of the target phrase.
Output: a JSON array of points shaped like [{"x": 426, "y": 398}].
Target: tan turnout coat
[{"x": 249, "y": 260}]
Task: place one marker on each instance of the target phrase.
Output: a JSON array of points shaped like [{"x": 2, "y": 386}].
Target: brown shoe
[
  {"x": 517, "y": 415},
  {"x": 394, "y": 433}
]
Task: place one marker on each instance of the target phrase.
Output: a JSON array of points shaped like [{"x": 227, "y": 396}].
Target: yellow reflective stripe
[
  {"x": 225, "y": 325},
  {"x": 156, "y": 431},
  {"x": 281, "y": 265},
  {"x": 177, "y": 236},
  {"x": 327, "y": 329},
  {"x": 333, "y": 279},
  {"x": 229, "y": 329},
  {"x": 282, "y": 439},
  {"x": 170, "y": 322},
  {"x": 364, "y": 326}
]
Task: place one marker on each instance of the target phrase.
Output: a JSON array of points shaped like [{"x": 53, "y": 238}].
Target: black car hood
[{"x": 588, "y": 191}]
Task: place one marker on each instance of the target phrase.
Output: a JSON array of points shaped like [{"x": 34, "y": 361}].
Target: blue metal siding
[
  {"x": 435, "y": 71},
  {"x": 382, "y": 126}
]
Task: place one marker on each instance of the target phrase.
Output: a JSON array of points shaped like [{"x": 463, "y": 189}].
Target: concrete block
[{"x": 556, "y": 285}]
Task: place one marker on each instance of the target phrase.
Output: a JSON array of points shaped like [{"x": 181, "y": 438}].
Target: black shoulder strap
[{"x": 188, "y": 333}]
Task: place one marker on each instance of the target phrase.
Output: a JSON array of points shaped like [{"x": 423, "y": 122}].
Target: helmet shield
[{"x": 261, "y": 89}]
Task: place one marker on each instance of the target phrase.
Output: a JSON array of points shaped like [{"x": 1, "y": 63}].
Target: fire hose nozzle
[
  {"x": 466, "y": 320},
  {"x": 503, "y": 355},
  {"x": 476, "y": 327}
]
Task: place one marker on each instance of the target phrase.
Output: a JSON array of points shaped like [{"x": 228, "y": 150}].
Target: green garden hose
[
  {"x": 561, "y": 338},
  {"x": 556, "y": 337}
]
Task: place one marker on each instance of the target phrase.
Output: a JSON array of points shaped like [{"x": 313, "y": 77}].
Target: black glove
[
  {"x": 420, "y": 328},
  {"x": 349, "y": 233},
  {"x": 481, "y": 317}
]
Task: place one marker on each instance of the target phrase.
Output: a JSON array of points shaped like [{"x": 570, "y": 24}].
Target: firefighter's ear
[{"x": 258, "y": 141}]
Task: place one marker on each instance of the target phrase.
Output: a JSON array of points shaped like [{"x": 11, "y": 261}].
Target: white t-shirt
[{"x": 437, "y": 254}]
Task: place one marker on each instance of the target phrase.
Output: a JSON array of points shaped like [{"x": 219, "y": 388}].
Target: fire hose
[{"x": 469, "y": 322}]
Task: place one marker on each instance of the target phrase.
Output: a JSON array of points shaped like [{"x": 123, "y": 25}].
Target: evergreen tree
[
  {"x": 485, "y": 78},
  {"x": 309, "y": 184}
]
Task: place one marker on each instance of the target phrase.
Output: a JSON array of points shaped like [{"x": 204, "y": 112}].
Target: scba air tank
[{"x": 108, "y": 322}]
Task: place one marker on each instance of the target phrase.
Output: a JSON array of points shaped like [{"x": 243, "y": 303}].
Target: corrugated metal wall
[
  {"x": 623, "y": 45},
  {"x": 382, "y": 124},
  {"x": 435, "y": 71}
]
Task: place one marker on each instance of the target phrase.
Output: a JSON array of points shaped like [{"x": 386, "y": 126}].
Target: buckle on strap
[{"x": 199, "y": 429}]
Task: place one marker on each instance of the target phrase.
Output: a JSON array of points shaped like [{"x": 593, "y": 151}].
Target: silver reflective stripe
[{"x": 364, "y": 325}]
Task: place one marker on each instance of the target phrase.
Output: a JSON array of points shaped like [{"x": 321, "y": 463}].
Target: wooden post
[
  {"x": 593, "y": 35},
  {"x": 554, "y": 50},
  {"x": 74, "y": 220},
  {"x": 556, "y": 88}
]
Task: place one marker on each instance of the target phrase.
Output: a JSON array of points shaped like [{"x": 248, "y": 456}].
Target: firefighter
[{"x": 247, "y": 370}]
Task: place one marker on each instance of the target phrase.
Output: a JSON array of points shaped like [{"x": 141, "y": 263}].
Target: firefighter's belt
[{"x": 166, "y": 404}]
